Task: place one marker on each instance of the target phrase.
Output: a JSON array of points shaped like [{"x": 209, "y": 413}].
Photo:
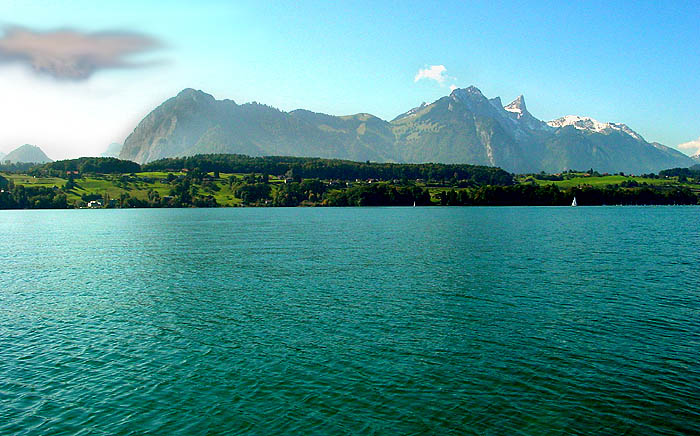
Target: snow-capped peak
[
  {"x": 592, "y": 125},
  {"x": 581, "y": 123},
  {"x": 517, "y": 106}
]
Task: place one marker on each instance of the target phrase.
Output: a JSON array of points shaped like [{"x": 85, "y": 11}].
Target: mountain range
[
  {"x": 463, "y": 127},
  {"x": 27, "y": 154}
]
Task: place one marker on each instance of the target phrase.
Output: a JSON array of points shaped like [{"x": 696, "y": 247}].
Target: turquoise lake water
[{"x": 350, "y": 321}]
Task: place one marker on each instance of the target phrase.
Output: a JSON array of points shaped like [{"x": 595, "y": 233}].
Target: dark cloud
[{"x": 69, "y": 54}]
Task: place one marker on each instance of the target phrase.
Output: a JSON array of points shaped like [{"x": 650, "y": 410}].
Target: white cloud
[
  {"x": 437, "y": 73},
  {"x": 691, "y": 148}
]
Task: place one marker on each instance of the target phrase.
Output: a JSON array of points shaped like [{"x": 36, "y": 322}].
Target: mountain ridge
[{"x": 463, "y": 127}]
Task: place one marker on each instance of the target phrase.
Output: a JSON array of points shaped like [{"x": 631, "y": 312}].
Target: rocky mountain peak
[
  {"x": 517, "y": 105},
  {"x": 194, "y": 94},
  {"x": 467, "y": 94}
]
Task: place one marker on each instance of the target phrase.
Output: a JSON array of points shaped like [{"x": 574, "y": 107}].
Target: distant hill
[
  {"x": 464, "y": 127},
  {"x": 27, "y": 153},
  {"x": 113, "y": 150},
  {"x": 2, "y": 155}
]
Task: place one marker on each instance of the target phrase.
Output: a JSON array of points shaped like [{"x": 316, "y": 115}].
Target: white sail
[{"x": 574, "y": 203}]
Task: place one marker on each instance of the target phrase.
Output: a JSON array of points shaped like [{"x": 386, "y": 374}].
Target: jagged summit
[
  {"x": 517, "y": 105},
  {"x": 514, "y": 117},
  {"x": 469, "y": 93}
]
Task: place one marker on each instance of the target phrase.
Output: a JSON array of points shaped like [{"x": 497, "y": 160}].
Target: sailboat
[
  {"x": 573, "y": 203},
  {"x": 414, "y": 204}
]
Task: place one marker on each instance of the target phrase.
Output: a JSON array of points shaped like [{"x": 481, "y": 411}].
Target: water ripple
[{"x": 378, "y": 321}]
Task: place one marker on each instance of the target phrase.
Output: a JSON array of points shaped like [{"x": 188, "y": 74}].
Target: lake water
[{"x": 350, "y": 321}]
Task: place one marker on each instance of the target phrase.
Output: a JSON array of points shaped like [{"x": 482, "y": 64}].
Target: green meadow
[
  {"x": 23, "y": 179},
  {"x": 602, "y": 181}
]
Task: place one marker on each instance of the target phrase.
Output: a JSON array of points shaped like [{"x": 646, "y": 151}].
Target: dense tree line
[
  {"x": 16, "y": 167},
  {"x": 379, "y": 194},
  {"x": 93, "y": 165},
  {"x": 32, "y": 197},
  {"x": 635, "y": 196},
  {"x": 551, "y": 195},
  {"x": 682, "y": 173},
  {"x": 253, "y": 193},
  {"x": 329, "y": 169},
  {"x": 314, "y": 192}
]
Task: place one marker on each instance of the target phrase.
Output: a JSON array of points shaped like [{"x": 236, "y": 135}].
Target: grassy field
[
  {"x": 602, "y": 181},
  {"x": 102, "y": 186},
  {"x": 225, "y": 196},
  {"x": 22, "y": 179},
  {"x": 157, "y": 174}
]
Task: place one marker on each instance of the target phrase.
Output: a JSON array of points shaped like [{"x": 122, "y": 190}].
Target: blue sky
[{"x": 631, "y": 62}]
